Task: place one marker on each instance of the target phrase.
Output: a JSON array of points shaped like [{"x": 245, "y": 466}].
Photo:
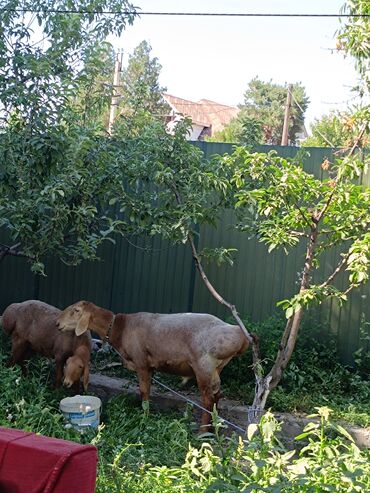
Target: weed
[
  {"x": 145, "y": 452},
  {"x": 313, "y": 377}
]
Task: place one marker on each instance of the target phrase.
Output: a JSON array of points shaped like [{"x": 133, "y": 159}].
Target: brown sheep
[
  {"x": 187, "y": 344},
  {"x": 32, "y": 328}
]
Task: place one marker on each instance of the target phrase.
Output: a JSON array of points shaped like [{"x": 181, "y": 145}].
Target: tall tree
[
  {"x": 265, "y": 102},
  {"x": 285, "y": 206},
  {"x": 261, "y": 116},
  {"x": 141, "y": 89},
  {"x": 56, "y": 176}
]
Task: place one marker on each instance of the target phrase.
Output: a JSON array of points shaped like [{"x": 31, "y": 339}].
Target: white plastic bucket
[{"x": 81, "y": 410}]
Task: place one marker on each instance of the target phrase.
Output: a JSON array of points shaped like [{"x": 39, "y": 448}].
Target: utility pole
[
  {"x": 115, "y": 95},
  {"x": 288, "y": 105}
]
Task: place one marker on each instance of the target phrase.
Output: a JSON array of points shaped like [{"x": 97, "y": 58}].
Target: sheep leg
[
  {"x": 59, "y": 364},
  {"x": 209, "y": 387},
  {"x": 20, "y": 353},
  {"x": 145, "y": 378},
  {"x": 76, "y": 388}
]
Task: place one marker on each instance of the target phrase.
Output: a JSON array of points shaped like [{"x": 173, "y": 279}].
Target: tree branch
[
  {"x": 303, "y": 216},
  {"x": 250, "y": 338},
  {"x": 336, "y": 271},
  {"x": 328, "y": 202},
  {"x": 13, "y": 250},
  {"x": 359, "y": 137}
]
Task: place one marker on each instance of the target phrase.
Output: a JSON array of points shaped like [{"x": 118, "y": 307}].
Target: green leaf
[
  {"x": 289, "y": 312},
  {"x": 343, "y": 432}
]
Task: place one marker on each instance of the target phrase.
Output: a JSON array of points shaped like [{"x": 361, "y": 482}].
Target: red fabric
[{"x": 31, "y": 463}]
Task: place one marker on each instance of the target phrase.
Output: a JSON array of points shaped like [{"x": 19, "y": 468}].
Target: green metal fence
[{"x": 151, "y": 275}]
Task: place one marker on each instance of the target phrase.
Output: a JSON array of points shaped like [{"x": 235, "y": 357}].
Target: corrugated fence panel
[
  {"x": 149, "y": 274},
  {"x": 16, "y": 282},
  {"x": 89, "y": 281},
  {"x": 258, "y": 280}
]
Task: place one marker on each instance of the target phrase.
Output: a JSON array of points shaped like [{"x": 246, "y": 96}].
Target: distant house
[{"x": 207, "y": 116}]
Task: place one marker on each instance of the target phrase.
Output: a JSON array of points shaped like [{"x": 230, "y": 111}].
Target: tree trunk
[
  {"x": 270, "y": 381},
  {"x": 264, "y": 385},
  {"x": 13, "y": 251}
]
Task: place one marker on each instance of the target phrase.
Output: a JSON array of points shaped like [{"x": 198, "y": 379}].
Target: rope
[{"x": 190, "y": 401}]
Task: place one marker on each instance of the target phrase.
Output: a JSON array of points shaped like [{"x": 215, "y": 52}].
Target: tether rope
[{"x": 190, "y": 401}]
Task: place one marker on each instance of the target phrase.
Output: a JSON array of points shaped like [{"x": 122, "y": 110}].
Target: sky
[{"x": 215, "y": 58}]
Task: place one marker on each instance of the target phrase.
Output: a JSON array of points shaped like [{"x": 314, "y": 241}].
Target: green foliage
[
  {"x": 140, "y": 88},
  {"x": 337, "y": 130},
  {"x": 38, "y": 74},
  {"x": 283, "y": 205},
  {"x": 261, "y": 116},
  {"x": 243, "y": 129},
  {"x": 56, "y": 175},
  {"x": 314, "y": 375},
  {"x": 54, "y": 193},
  {"x": 218, "y": 255},
  {"x": 230, "y": 134},
  {"x": 354, "y": 39},
  {"x": 95, "y": 86},
  {"x": 265, "y": 102},
  {"x": 171, "y": 188}
]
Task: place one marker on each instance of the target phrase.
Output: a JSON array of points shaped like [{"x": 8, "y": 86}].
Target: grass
[
  {"x": 314, "y": 377},
  {"x": 159, "y": 453}
]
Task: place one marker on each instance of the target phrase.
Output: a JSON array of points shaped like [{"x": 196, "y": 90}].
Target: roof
[{"x": 204, "y": 112}]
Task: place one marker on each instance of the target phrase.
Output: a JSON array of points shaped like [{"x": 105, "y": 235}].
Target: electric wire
[{"x": 182, "y": 14}]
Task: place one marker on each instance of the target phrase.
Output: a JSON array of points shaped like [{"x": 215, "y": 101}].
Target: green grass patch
[
  {"x": 314, "y": 377},
  {"x": 159, "y": 452}
]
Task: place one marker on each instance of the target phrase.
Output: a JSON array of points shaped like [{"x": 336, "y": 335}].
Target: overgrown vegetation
[
  {"x": 314, "y": 377},
  {"x": 261, "y": 116},
  {"x": 338, "y": 129},
  {"x": 60, "y": 177},
  {"x": 148, "y": 452}
]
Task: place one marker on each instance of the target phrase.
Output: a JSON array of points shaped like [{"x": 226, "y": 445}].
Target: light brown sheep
[
  {"x": 32, "y": 328},
  {"x": 187, "y": 344}
]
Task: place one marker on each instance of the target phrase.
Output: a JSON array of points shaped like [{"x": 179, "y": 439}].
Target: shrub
[
  {"x": 314, "y": 375},
  {"x": 141, "y": 452}
]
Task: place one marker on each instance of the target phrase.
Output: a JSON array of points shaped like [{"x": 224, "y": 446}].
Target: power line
[{"x": 183, "y": 14}]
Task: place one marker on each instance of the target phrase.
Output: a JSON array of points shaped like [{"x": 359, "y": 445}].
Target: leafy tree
[
  {"x": 354, "y": 39},
  {"x": 94, "y": 92},
  {"x": 56, "y": 176},
  {"x": 337, "y": 130},
  {"x": 243, "y": 130},
  {"x": 171, "y": 188},
  {"x": 264, "y": 102},
  {"x": 261, "y": 116},
  {"x": 285, "y": 206},
  {"x": 141, "y": 90}
]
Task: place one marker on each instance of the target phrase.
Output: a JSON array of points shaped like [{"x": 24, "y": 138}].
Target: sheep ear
[
  {"x": 85, "y": 379},
  {"x": 82, "y": 324}
]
